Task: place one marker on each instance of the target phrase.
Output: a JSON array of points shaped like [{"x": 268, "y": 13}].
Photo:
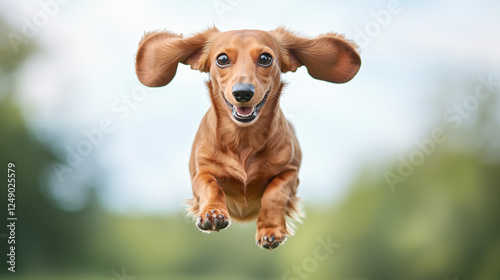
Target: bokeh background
[{"x": 116, "y": 211}]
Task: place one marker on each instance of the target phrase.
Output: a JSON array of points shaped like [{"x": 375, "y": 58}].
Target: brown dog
[{"x": 245, "y": 157}]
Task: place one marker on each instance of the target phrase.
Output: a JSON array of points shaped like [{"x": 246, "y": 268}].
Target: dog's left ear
[
  {"x": 159, "y": 54},
  {"x": 328, "y": 57}
]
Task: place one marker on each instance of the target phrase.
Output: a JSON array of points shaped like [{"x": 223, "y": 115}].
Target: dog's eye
[
  {"x": 222, "y": 60},
  {"x": 265, "y": 59}
]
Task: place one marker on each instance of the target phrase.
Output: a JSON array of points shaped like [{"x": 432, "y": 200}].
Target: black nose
[{"x": 243, "y": 92}]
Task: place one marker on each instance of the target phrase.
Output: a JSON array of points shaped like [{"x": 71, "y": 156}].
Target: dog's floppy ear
[
  {"x": 159, "y": 54},
  {"x": 328, "y": 57}
]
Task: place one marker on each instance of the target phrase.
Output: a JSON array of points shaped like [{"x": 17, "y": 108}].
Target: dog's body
[{"x": 245, "y": 157}]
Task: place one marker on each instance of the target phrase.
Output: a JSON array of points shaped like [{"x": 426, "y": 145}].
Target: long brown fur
[{"x": 240, "y": 171}]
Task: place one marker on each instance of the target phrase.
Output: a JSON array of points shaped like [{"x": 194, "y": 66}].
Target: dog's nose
[{"x": 243, "y": 92}]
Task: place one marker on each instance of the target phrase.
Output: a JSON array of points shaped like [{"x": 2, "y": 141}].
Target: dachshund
[{"x": 245, "y": 157}]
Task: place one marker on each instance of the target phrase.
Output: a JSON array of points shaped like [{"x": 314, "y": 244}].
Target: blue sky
[{"x": 85, "y": 63}]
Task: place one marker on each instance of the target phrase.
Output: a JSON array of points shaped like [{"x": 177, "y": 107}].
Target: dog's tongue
[{"x": 243, "y": 110}]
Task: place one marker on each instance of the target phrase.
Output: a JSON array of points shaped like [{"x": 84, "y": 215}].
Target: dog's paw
[
  {"x": 270, "y": 238},
  {"x": 213, "y": 220}
]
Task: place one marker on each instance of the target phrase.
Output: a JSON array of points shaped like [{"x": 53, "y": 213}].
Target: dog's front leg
[
  {"x": 271, "y": 224},
  {"x": 211, "y": 202}
]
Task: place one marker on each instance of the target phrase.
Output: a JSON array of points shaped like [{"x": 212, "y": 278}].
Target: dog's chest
[
  {"x": 244, "y": 183},
  {"x": 250, "y": 175},
  {"x": 242, "y": 201}
]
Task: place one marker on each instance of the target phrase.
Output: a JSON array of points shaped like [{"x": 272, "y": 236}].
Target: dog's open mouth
[{"x": 244, "y": 113}]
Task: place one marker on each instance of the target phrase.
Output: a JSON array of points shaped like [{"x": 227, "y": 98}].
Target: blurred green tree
[{"x": 47, "y": 239}]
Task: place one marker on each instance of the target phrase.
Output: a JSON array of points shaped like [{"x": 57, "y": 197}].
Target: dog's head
[{"x": 245, "y": 66}]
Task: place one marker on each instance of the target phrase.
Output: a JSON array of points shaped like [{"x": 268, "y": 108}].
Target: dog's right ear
[{"x": 159, "y": 54}]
